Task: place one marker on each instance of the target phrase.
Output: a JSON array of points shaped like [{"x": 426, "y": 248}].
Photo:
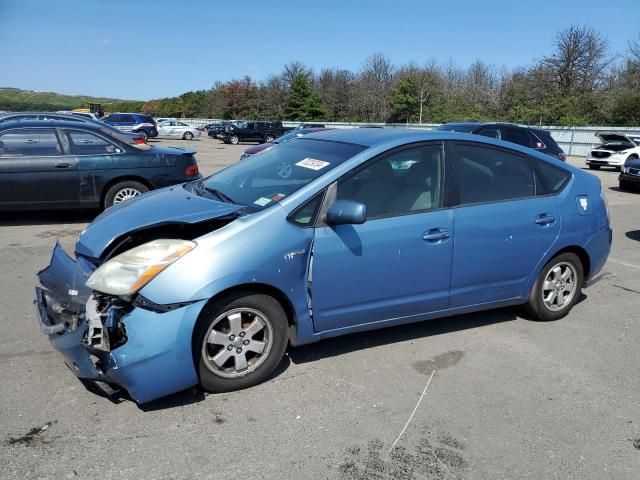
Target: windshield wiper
[{"x": 220, "y": 195}]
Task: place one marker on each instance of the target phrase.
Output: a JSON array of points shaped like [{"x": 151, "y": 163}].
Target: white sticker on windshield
[
  {"x": 312, "y": 163},
  {"x": 262, "y": 201}
]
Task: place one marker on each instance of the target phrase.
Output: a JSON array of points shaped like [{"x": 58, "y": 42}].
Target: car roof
[{"x": 48, "y": 123}]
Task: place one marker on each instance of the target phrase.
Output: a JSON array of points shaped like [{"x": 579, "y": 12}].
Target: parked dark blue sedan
[
  {"x": 55, "y": 164},
  {"x": 208, "y": 283}
]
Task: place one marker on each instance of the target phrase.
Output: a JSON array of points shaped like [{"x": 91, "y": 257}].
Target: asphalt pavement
[{"x": 510, "y": 398}]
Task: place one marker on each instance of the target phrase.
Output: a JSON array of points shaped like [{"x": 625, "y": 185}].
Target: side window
[
  {"x": 407, "y": 181},
  {"x": 517, "y": 135},
  {"x": 128, "y": 119},
  {"x": 492, "y": 132},
  {"x": 86, "y": 143},
  {"x": 250, "y": 125},
  {"x": 305, "y": 216},
  {"x": 490, "y": 175},
  {"x": 39, "y": 142},
  {"x": 113, "y": 118},
  {"x": 554, "y": 178}
]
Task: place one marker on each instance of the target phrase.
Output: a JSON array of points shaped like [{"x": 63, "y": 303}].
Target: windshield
[
  {"x": 265, "y": 179},
  {"x": 462, "y": 128},
  {"x": 288, "y": 136}
]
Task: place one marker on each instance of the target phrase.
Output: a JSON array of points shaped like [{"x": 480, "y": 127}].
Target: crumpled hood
[{"x": 160, "y": 207}]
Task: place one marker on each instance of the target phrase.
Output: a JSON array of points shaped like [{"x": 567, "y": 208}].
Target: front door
[
  {"x": 398, "y": 263},
  {"x": 502, "y": 226},
  {"x": 35, "y": 171}
]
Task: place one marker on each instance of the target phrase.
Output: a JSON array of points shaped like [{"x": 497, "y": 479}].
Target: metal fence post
[{"x": 573, "y": 132}]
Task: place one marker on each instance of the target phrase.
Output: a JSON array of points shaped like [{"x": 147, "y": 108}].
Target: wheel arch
[{"x": 581, "y": 253}]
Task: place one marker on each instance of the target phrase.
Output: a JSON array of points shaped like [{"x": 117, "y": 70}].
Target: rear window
[
  {"x": 548, "y": 140},
  {"x": 517, "y": 135},
  {"x": 145, "y": 119},
  {"x": 554, "y": 178}
]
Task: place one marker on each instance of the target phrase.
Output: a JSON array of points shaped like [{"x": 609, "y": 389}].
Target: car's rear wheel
[
  {"x": 234, "y": 140},
  {"x": 594, "y": 167},
  {"x": 239, "y": 340},
  {"x": 123, "y": 191},
  {"x": 187, "y": 136},
  {"x": 557, "y": 288},
  {"x": 269, "y": 139}
]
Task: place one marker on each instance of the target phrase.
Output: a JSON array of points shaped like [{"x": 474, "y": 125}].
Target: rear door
[
  {"x": 35, "y": 170},
  {"x": 503, "y": 225}
]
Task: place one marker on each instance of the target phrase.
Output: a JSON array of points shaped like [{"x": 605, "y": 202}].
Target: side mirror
[{"x": 344, "y": 212}]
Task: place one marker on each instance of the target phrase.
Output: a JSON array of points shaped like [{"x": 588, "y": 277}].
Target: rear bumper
[
  {"x": 156, "y": 358},
  {"x": 598, "y": 248}
]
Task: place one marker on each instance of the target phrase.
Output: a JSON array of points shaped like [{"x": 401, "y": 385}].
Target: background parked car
[
  {"x": 256, "y": 131},
  {"x": 126, "y": 137},
  {"x": 614, "y": 151},
  {"x": 133, "y": 122},
  {"x": 298, "y": 132},
  {"x": 90, "y": 115},
  {"x": 522, "y": 135},
  {"x": 216, "y": 129},
  {"x": 55, "y": 164},
  {"x": 177, "y": 129}
]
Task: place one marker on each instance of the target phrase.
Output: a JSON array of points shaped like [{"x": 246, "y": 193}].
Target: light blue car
[{"x": 336, "y": 232}]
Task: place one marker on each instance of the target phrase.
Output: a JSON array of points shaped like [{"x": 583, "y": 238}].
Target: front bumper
[
  {"x": 156, "y": 358},
  {"x": 611, "y": 161},
  {"x": 630, "y": 179}
]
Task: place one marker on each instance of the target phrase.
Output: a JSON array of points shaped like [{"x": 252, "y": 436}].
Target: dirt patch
[
  {"x": 425, "y": 460},
  {"x": 439, "y": 362},
  {"x": 59, "y": 233},
  {"x": 32, "y": 437}
]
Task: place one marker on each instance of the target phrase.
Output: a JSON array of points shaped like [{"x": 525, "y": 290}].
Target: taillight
[
  {"x": 139, "y": 141},
  {"x": 191, "y": 170}
]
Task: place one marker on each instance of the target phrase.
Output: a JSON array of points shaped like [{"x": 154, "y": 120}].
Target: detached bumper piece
[{"x": 111, "y": 343}]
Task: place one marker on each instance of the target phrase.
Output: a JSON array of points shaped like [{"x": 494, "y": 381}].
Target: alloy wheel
[
  {"x": 559, "y": 286},
  {"x": 125, "y": 194},
  {"x": 237, "y": 342}
]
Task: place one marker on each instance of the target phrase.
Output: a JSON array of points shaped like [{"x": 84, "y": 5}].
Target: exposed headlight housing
[{"x": 128, "y": 272}]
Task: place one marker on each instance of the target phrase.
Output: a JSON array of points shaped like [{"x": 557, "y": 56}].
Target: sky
[{"x": 146, "y": 49}]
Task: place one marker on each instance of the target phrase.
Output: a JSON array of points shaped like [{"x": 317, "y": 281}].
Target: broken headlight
[{"x": 128, "y": 272}]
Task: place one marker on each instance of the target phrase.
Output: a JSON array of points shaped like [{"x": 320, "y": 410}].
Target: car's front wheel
[
  {"x": 269, "y": 139},
  {"x": 234, "y": 140},
  {"x": 187, "y": 136},
  {"x": 239, "y": 340},
  {"x": 557, "y": 288},
  {"x": 123, "y": 191}
]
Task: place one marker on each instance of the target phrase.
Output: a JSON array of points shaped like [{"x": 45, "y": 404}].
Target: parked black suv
[
  {"x": 262, "y": 132},
  {"x": 510, "y": 132}
]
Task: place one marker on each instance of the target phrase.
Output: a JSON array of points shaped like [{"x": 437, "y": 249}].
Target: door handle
[
  {"x": 63, "y": 165},
  {"x": 545, "y": 219},
  {"x": 30, "y": 140},
  {"x": 436, "y": 235}
]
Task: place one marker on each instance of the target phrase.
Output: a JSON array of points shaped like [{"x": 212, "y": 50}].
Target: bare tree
[
  {"x": 580, "y": 60},
  {"x": 291, "y": 70},
  {"x": 375, "y": 84}
]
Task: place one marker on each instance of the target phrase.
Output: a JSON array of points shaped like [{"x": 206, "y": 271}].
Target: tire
[
  {"x": 144, "y": 134},
  {"x": 229, "y": 321},
  {"x": 187, "y": 136},
  {"x": 269, "y": 139},
  {"x": 123, "y": 191},
  {"x": 594, "y": 167},
  {"x": 541, "y": 307},
  {"x": 234, "y": 140},
  {"x": 625, "y": 186}
]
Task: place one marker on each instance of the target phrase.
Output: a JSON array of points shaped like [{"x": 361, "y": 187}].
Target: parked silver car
[{"x": 176, "y": 128}]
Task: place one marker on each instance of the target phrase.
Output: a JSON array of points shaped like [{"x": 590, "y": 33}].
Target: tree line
[{"x": 581, "y": 82}]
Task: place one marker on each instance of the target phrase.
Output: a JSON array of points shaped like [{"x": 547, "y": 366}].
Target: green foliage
[
  {"x": 15, "y": 99},
  {"x": 302, "y": 103}
]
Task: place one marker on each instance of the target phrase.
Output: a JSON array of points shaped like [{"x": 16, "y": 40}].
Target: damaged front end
[{"x": 115, "y": 342}]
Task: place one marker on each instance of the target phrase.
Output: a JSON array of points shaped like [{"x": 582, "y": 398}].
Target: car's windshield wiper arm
[{"x": 220, "y": 195}]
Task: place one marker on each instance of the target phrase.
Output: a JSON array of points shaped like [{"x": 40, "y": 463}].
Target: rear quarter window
[{"x": 553, "y": 178}]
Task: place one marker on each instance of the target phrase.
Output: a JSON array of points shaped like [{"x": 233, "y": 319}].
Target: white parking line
[{"x": 618, "y": 262}]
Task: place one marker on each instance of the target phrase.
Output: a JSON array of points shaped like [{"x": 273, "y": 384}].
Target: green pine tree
[{"x": 302, "y": 103}]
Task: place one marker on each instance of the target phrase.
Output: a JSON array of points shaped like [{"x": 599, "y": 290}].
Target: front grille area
[
  {"x": 599, "y": 154},
  {"x": 634, "y": 171}
]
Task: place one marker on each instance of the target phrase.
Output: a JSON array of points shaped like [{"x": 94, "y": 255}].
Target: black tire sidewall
[
  {"x": 536, "y": 306},
  {"x": 114, "y": 189},
  {"x": 275, "y": 314},
  {"x": 269, "y": 138}
]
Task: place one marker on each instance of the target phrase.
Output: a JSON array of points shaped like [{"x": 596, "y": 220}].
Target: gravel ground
[{"x": 510, "y": 398}]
